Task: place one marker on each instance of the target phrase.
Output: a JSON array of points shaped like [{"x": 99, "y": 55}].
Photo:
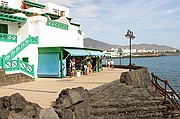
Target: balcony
[
  {"x": 57, "y": 24},
  {"x": 8, "y": 38}
]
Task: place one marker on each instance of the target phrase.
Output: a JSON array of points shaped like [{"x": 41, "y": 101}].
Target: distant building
[{"x": 115, "y": 52}]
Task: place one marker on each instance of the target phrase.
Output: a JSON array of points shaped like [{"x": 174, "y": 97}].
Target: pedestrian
[
  {"x": 108, "y": 64},
  {"x": 112, "y": 64},
  {"x": 70, "y": 68}
]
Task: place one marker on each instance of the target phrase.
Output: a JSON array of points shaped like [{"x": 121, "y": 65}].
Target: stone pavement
[{"x": 45, "y": 90}]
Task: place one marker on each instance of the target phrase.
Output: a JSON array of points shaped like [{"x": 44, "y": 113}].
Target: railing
[
  {"x": 167, "y": 91},
  {"x": 13, "y": 18},
  {"x": 15, "y": 65},
  {"x": 8, "y": 38},
  {"x": 33, "y": 4},
  {"x": 21, "y": 46},
  {"x": 57, "y": 24}
]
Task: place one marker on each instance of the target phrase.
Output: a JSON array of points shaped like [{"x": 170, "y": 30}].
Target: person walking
[
  {"x": 112, "y": 64},
  {"x": 108, "y": 64}
]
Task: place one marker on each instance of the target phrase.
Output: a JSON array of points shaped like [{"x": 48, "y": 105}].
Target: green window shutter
[
  {"x": 3, "y": 28},
  {"x": 25, "y": 59}
]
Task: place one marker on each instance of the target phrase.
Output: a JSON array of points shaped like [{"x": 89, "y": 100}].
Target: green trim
[
  {"x": 70, "y": 19},
  {"x": 4, "y": 28},
  {"x": 33, "y": 40},
  {"x": 78, "y": 25},
  {"x": 25, "y": 59},
  {"x": 6, "y": 9},
  {"x": 27, "y": 13},
  {"x": 52, "y": 16},
  {"x": 57, "y": 24},
  {"x": 12, "y": 18},
  {"x": 42, "y": 50},
  {"x": 33, "y": 4},
  {"x": 61, "y": 62},
  {"x": 8, "y": 38},
  {"x": 48, "y": 50},
  {"x": 80, "y": 32},
  {"x": 21, "y": 46},
  {"x": 14, "y": 65}
]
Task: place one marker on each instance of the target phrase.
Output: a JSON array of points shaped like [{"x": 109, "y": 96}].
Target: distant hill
[{"x": 91, "y": 43}]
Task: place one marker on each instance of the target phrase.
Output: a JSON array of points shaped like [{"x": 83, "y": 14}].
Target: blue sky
[{"x": 152, "y": 21}]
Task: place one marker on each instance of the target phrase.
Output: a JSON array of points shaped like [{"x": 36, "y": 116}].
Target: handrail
[
  {"x": 14, "y": 65},
  {"x": 171, "y": 95},
  {"x": 21, "y": 46},
  {"x": 8, "y": 37}
]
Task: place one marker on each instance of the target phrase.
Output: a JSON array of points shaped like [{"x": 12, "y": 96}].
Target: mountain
[{"x": 91, "y": 43}]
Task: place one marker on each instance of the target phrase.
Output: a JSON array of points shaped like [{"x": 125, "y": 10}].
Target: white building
[{"x": 29, "y": 30}]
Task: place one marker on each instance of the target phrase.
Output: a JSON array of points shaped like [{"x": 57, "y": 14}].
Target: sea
[{"x": 165, "y": 67}]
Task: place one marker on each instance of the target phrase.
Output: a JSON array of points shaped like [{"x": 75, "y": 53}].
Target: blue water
[{"x": 165, "y": 67}]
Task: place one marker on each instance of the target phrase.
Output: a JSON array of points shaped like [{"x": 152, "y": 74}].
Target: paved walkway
[{"x": 45, "y": 90}]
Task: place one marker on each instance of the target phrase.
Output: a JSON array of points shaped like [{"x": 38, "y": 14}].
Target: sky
[{"x": 152, "y": 21}]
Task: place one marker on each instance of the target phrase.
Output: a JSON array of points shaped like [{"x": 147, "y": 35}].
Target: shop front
[{"x": 66, "y": 61}]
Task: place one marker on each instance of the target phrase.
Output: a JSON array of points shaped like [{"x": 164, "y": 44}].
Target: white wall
[
  {"x": 55, "y": 37},
  {"x": 50, "y": 6},
  {"x": 14, "y": 3}
]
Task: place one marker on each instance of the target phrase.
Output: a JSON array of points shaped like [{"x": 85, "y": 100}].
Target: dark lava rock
[{"x": 16, "y": 107}]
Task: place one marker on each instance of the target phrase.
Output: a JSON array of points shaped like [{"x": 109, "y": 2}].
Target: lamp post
[{"x": 129, "y": 35}]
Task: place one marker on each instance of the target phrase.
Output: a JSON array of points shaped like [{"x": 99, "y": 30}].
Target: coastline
[{"x": 149, "y": 55}]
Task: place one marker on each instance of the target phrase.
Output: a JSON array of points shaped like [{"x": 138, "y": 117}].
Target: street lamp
[{"x": 129, "y": 35}]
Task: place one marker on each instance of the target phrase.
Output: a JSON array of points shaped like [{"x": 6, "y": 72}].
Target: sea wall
[{"x": 9, "y": 79}]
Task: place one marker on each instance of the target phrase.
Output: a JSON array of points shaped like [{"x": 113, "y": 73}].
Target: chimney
[
  {"x": 62, "y": 13},
  {"x": 36, "y": 1}
]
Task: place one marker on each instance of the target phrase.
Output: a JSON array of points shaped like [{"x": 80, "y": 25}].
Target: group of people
[
  {"x": 82, "y": 66},
  {"x": 110, "y": 64}
]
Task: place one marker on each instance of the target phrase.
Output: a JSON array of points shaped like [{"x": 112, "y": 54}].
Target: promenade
[{"x": 45, "y": 90}]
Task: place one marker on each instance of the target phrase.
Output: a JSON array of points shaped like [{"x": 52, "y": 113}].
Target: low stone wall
[
  {"x": 138, "y": 78},
  {"x": 9, "y": 79}
]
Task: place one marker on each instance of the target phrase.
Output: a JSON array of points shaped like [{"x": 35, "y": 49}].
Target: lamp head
[{"x": 127, "y": 34}]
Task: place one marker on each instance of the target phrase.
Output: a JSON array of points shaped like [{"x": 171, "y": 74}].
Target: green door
[{"x": 3, "y": 28}]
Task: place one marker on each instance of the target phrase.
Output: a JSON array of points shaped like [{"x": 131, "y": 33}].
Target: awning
[
  {"x": 95, "y": 53},
  {"x": 77, "y": 52}
]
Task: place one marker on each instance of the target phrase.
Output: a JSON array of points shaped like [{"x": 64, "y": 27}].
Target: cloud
[{"x": 153, "y": 21}]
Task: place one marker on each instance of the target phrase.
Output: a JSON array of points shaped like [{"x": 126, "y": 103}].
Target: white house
[{"x": 29, "y": 30}]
